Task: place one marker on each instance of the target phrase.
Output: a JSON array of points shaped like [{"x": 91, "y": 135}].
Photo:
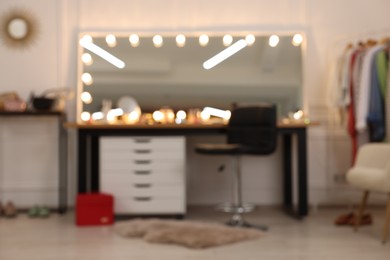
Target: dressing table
[{"x": 88, "y": 154}]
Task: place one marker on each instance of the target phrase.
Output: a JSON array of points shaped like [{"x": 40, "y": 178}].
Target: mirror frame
[
  {"x": 31, "y": 29},
  {"x": 303, "y": 46}
]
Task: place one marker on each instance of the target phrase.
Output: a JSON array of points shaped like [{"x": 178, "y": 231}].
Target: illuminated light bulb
[
  {"x": 134, "y": 40},
  {"x": 85, "y": 116},
  {"x": 87, "y": 79},
  {"x": 273, "y": 40},
  {"x": 250, "y": 39},
  {"x": 86, "y": 97},
  {"x": 297, "y": 39},
  {"x": 181, "y": 114},
  {"x": 204, "y": 115},
  {"x": 180, "y": 40},
  {"x": 86, "y": 39},
  {"x": 203, "y": 40},
  {"x": 87, "y": 59},
  {"x": 97, "y": 116},
  {"x": 158, "y": 116},
  {"x": 111, "y": 40},
  {"x": 157, "y": 41},
  {"x": 227, "y": 40},
  {"x": 134, "y": 115}
]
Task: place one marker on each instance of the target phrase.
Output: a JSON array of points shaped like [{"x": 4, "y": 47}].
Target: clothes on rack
[{"x": 362, "y": 92}]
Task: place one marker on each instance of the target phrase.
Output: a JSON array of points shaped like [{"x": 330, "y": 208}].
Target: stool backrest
[{"x": 254, "y": 128}]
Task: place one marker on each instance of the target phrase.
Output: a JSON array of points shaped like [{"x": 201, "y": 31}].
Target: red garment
[{"x": 351, "y": 110}]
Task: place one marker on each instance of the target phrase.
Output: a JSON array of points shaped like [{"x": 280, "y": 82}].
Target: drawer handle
[
  {"x": 142, "y": 151},
  {"x": 142, "y": 172},
  {"x": 142, "y": 161},
  {"x": 143, "y": 140},
  {"x": 143, "y": 185},
  {"x": 143, "y": 198}
]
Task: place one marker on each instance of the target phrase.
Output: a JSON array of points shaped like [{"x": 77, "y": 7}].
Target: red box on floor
[{"x": 94, "y": 209}]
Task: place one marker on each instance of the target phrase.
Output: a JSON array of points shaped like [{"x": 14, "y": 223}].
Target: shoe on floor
[
  {"x": 344, "y": 219},
  {"x": 9, "y": 210},
  {"x": 33, "y": 212},
  {"x": 43, "y": 212}
]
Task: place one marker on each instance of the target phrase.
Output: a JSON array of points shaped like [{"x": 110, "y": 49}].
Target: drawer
[
  {"x": 144, "y": 189},
  {"x": 149, "y": 205},
  {"x": 143, "y": 142},
  {"x": 142, "y": 166},
  {"x": 148, "y": 176},
  {"x": 140, "y": 154}
]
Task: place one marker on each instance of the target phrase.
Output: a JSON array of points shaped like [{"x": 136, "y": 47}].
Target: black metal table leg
[
  {"x": 287, "y": 170},
  {"x": 302, "y": 173},
  {"x": 82, "y": 162}
]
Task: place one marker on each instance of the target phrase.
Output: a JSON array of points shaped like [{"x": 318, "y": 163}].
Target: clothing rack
[{"x": 363, "y": 89}]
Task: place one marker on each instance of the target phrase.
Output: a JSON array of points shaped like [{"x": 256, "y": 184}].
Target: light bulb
[
  {"x": 86, "y": 97},
  {"x": 227, "y": 40},
  {"x": 111, "y": 40},
  {"x": 157, "y": 41},
  {"x": 158, "y": 116},
  {"x": 85, "y": 116},
  {"x": 273, "y": 40},
  {"x": 87, "y": 79},
  {"x": 180, "y": 40},
  {"x": 203, "y": 40},
  {"x": 134, "y": 40},
  {"x": 87, "y": 59},
  {"x": 181, "y": 114},
  {"x": 250, "y": 39},
  {"x": 297, "y": 39},
  {"x": 86, "y": 39}
]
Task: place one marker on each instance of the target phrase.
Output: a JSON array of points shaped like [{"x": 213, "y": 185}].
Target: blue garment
[{"x": 375, "y": 117}]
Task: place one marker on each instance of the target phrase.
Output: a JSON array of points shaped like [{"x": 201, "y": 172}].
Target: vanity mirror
[{"x": 171, "y": 70}]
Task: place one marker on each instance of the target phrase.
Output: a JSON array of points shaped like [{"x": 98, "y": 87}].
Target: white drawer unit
[{"x": 145, "y": 174}]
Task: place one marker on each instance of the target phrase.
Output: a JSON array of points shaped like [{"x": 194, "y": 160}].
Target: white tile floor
[{"x": 315, "y": 238}]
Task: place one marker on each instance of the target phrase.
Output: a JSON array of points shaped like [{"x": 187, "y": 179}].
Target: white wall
[{"x": 329, "y": 25}]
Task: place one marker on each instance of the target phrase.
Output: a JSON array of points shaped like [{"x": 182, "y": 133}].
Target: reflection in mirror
[{"x": 172, "y": 71}]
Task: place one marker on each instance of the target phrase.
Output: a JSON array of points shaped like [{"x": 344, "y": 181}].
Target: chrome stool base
[{"x": 237, "y": 220}]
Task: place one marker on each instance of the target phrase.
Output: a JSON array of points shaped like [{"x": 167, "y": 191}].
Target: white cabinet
[
  {"x": 29, "y": 159},
  {"x": 146, "y": 174}
]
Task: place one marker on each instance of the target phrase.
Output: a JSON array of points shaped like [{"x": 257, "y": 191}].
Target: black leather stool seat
[{"x": 218, "y": 149}]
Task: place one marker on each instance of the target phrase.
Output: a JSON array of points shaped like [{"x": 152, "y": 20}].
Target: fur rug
[{"x": 186, "y": 233}]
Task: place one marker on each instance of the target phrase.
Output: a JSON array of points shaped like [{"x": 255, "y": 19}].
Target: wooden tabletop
[{"x": 296, "y": 124}]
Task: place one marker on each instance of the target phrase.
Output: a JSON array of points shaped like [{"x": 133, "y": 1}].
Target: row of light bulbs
[
  {"x": 162, "y": 115},
  {"x": 227, "y": 40}
]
